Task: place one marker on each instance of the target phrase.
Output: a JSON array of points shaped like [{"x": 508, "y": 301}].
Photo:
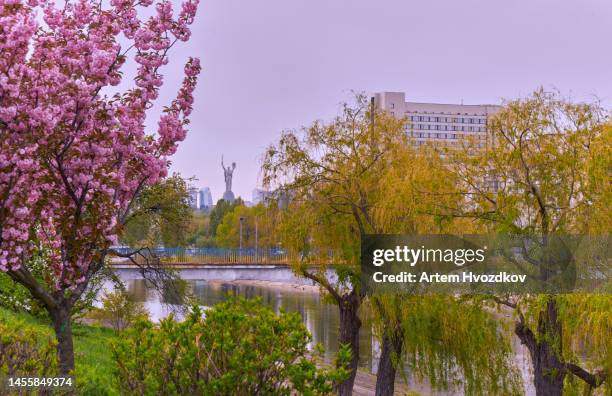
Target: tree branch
[
  {"x": 594, "y": 380},
  {"x": 24, "y": 277},
  {"x": 323, "y": 282}
]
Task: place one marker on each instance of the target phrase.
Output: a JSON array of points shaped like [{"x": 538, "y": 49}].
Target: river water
[{"x": 321, "y": 318}]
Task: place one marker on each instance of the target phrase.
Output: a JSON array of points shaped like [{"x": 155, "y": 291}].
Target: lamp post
[
  {"x": 256, "y": 241},
  {"x": 241, "y": 220}
]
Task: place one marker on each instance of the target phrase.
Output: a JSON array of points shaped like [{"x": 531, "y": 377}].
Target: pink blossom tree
[{"x": 73, "y": 156}]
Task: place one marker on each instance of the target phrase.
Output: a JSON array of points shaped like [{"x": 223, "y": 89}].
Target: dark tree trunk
[
  {"x": 385, "y": 378},
  {"x": 349, "y": 335},
  {"x": 545, "y": 350},
  {"x": 63, "y": 333},
  {"x": 548, "y": 371}
]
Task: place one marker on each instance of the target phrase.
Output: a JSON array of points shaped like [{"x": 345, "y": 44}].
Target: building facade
[
  {"x": 193, "y": 197},
  {"x": 206, "y": 201},
  {"x": 437, "y": 123}
]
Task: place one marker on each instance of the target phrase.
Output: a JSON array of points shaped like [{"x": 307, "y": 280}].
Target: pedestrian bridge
[
  {"x": 206, "y": 256},
  {"x": 214, "y": 264}
]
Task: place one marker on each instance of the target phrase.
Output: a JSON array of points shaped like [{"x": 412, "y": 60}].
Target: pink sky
[{"x": 270, "y": 65}]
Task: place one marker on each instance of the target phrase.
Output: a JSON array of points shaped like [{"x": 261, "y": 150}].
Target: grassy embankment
[{"x": 92, "y": 345}]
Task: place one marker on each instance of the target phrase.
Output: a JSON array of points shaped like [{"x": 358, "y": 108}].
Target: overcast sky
[{"x": 270, "y": 65}]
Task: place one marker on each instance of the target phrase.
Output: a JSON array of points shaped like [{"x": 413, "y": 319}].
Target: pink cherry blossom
[{"x": 73, "y": 158}]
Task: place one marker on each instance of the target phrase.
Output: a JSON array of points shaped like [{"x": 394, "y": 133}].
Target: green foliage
[
  {"x": 92, "y": 349},
  {"x": 451, "y": 343},
  {"x": 241, "y": 347},
  {"x": 199, "y": 233},
  {"x": 160, "y": 215},
  {"x": 119, "y": 310},
  {"x": 24, "y": 351},
  {"x": 332, "y": 172},
  {"x": 260, "y": 216},
  {"x": 15, "y": 297},
  {"x": 597, "y": 216},
  {"x": 587, "y": 320},
  {"x": 94, "y": 364},
  {"x": 551, "y": 162},
  {"x": 219, "y": 211}
]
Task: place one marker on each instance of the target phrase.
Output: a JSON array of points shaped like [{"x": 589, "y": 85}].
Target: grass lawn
[{"x": 92, "y": 352}]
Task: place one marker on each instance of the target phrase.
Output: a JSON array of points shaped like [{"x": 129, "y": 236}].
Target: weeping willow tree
[
  {"x": 360, "y": 175},
  {"x": 452, "y": 343},
  {"x": 547, "y": 173},
  {"x": 331, "y": 174}
]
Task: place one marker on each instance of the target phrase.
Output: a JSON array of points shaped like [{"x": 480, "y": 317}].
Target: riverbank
[{"x": 281, "y": 286}]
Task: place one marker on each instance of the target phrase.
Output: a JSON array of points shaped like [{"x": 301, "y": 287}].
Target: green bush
[
  {"x": 119, "y": 310},
  {"x": 241, "y": 347},
  {"x": 25, "y": 351}
]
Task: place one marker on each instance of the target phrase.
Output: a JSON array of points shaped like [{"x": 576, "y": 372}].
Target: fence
[{"x": 213, "y": 255}]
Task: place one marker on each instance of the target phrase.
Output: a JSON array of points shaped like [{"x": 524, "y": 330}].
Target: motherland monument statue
[{"x": 228, "y": 173}]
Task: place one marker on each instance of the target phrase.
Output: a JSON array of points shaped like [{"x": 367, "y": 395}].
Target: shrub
[
  {"x": 119, "y": 310},
  {"x": 25, "y": 351},
  {"x": 241, "y": 347}
]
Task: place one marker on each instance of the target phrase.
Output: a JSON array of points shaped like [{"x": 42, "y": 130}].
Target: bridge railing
[{"x": 212, "y": 255}]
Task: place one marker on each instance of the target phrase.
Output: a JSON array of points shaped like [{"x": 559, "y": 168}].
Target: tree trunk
[
  {"x": 63, "y": 333},
  {"x": 349, "y": 335},
  {"x": 548, "y": 371},
  {"x": 545, "y": 350},
  {"x": 385, "y": 378}
]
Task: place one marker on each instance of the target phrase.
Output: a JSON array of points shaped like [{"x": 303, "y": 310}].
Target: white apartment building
[
  {"x": 206, "y": 201},
  {"x": 441, "y": 124}
]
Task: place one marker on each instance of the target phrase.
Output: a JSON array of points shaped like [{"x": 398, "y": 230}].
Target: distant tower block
[{"x": 206, "y": 201}]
